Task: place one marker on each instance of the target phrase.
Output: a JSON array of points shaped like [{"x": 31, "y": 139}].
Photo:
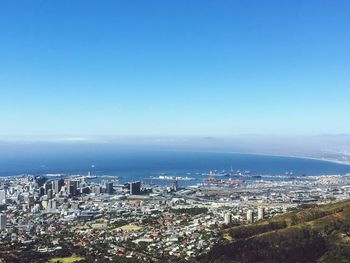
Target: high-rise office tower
[
  {"x": 49, "y": 193},
  {"x": 109, "y": 187},
  {"x": 57, "y": 185},
  {"x": 3, "y": 221},
  {"x": 72, "y": 187},
  {"x": 135, "y": 188},
  {"x": 47, "y": 186},
  {"x": 2, "y": 196},
  {"x": 97, "y": 189}
]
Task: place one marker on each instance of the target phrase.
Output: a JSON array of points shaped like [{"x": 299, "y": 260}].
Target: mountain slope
[{"x": 317, "y": 234}]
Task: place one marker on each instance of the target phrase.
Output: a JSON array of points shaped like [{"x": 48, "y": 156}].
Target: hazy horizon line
[{"x": 87, "y": 138}]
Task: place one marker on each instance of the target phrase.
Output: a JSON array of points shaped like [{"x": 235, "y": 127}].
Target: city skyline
[
  {"x": 84, "y": 69},
  {"x": 174, "y": 131}
]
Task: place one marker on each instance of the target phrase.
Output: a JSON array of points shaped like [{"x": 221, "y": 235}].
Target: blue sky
[{"x": 174, "y": 68}]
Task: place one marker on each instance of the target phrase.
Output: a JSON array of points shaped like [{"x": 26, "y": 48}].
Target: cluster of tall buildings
[
  {"x": 37, "y": 194},
  {"x": 69, "y": 187},
  {"x": 250, "y": 214},
  {"x": 73, "y": 187}
]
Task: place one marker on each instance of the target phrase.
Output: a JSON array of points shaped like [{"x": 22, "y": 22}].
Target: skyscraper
[
  {"x": 72, "y": 187},
  {"x": 41, "y": 191},
  {"x": 3, "y": 221},
  {"x": 2, "y": 196},
  {"x": 261, "y": 213},
  {"x": 174, "y": 185},
  {"x": 57, "y": 185},
  {"x": 51, "y": 205},
  {"x": 250, "y": 216},
  {"x": 135, "y": 188},
  {"x": 109, "y": 187},
  {"x": 47, "y": 186},
  {"x": 49, "y": 193},
  {"x": 97, "y": 189},
  {"x": 228, "y": 218}
]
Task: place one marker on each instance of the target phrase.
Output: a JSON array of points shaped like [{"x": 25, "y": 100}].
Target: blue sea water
[{"x": 133, "y": 164}]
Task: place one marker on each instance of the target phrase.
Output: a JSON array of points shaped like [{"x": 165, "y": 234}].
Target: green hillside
[{"x": 316, "y": 234}]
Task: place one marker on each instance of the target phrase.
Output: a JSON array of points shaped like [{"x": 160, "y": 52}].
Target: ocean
[{"x": 135, "y": 164}]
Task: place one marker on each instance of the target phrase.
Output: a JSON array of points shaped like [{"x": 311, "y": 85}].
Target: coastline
[
  {"x": 298, "y": 157},
  {"x": 276, "y": 155}
]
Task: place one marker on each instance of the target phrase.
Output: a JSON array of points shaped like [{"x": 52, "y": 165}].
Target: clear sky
[{"x": 174, "y": 68}]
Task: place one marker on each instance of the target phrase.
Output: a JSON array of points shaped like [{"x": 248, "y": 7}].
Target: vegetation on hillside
[
  {"x": 309, "y": 234},
  {"x": 191, "y": 211}
]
